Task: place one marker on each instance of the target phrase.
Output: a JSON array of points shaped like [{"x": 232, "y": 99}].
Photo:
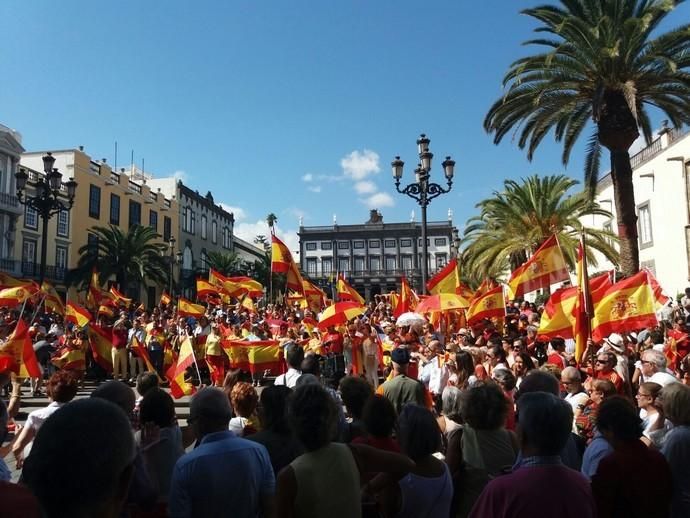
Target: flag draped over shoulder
[
  {"x": 446, "y": 280},
  {"x": 186, "y": 308},
  {"x": 17, "y": 353},
  {"x": 347, "y": 292},
  {"x": 490, "y": 304},
  {"x": 179, "y": 386},
  {"x": 546, "y": 267},
  {"x": 101, "y": 341},
  {"x": 625, "y": 306},
  {"x": 77, "y": 315},
  {"x": 406, "y": 301},
  {"x": 254, "y": 356}
]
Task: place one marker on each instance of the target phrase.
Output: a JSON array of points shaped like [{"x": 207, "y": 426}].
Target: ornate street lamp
[
  {"x": 47, "y": 199},
  {"x": 423, "y": 191}
]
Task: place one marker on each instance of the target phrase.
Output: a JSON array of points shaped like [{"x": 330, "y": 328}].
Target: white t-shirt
[
  {"x": 289, "y": 379},
  {"x": 663, "y": 378},
  {"x": 38, "y": 417}
]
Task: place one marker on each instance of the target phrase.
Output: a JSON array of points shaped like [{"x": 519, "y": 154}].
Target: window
[
  {"x": 645, "y": 224},
  {"x": 440, "y": 260},
  {"x": 343, "y": 264},
  {"x": 114, "y": 209},
  {"x": 134, "y": 213},
  {"x": 406, "y": 261},
  {"x": 389, "y": 243},
  {"x": 428, "y": 242},
  {"x": 92, "y": 241},
  {"x": 30, "y": 217},
  {"x": 326, "y": 245},
  {"x": 185, "y": 219},
  {"x": 358, "y": 244},
  {"x": 63, "y": 223},
  {"x": 153, "y": 220},
  {"x": 311, "y": 265},
  {"x": 214, "y": 231},
  {"x": 204, "y": 229},
  {"x": 375, "y": 263},
  {"x": 167, "y": 228},
  {"x": 29, "y": 251},
  {"x": 94, "y": 201},
  {"x": 310, "y": 246},
  {"x": 374, "y": 243},
  {"x": 227, "y": 237},
  {"x": 192, "y": 221},
  {"x": 440, "y": 241},
  {"x": 390, "y": 263},
  {"x": 343, "y": 245},
  {"x": 326, "y": 265},
  {"x": 405, "y": 243},
  {"x": 60, "y": 257},
  {"x": 359, "y": 264},
  {"x": 203, "y": 257}
]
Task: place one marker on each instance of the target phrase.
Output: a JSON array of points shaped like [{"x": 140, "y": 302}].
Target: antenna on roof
[{"x": 115, "y": 164}]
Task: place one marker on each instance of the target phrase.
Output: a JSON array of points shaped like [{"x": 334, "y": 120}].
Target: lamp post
[
  {"x": 46, "y": 200},
  {"x": 423, "y": 191}
]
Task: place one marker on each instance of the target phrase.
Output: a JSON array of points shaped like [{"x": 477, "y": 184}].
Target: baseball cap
[{"x": 400, "y": 355}]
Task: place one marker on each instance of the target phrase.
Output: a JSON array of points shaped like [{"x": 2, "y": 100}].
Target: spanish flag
[
  {"x": 583, "y": 308},
  {"x": 205, "y": 288},
  {"x": 347, "y": 292},
  {"x": 248, "y": 304},
  {"x": 53, "y": 301},
  {"x": 101, "y": 341},
  {"x": 140, "y": 350},
  {"x": 119, "y": 297},
  {"x": 254, "y": 356},
  {"x": 179, "y": 386},
  {"x": 17, "y": 353},
  {"x": 11, "y": 297},
  {"x": 7, "y": 281},
  {"x": 216, "y": 278},
  {"x": 486, "y": 285},
  {"x": 407, "y": 300},
  {"x": 558, "y": 317},
  {"x": 625, "y": 306},
  {"x": 281, "y": 258},
  {"x": 659, "y": 295},
  {"x": 546, "y": 267},
  {"x": 77, "y": 314},
  {"x": 98, "y": 296},
  {"x": 165, "y": 298},
  {"x": 106, "y": 310},
  {"x": 445, "y": 281},
  {"x": 247, "y": 285},
  {"x": 315, "y": 296},
  {"x": 489, "y": 305},
  {"x": 187, "y": 309},
  {"x": 70, "y": 359}
]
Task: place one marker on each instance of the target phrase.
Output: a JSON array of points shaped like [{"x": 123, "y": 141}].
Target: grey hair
[
  {"x": 210, "y": 403},
  {"x": 451, "y": 403},
  {"x": 545, "y": 422},
  {"x": 656, "y": 357},
  {"x": 505, "y": 378},
  {"x": 571, "y": 373}
]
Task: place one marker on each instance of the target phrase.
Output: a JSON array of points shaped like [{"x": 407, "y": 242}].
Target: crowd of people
[{"x": 367, "y": 419}]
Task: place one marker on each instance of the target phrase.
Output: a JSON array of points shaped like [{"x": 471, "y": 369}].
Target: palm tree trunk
[{"x": 624, "y": 197}]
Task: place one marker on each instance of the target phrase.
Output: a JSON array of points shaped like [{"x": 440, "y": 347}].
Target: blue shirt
[
  {"x": 597, "y": 450},
  {"x": 224, "y": 476}
]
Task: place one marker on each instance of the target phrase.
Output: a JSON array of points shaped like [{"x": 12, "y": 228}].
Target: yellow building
[{"x": 103, "y": 197}]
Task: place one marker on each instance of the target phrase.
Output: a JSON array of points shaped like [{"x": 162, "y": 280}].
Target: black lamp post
[
  {"x": 46, "y": 200},
  {"x": 423, "y": 191}
]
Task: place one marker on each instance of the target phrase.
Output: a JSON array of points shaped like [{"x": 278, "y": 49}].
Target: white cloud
[
  {"x": 295, "y": 213},
  {"x": 379, "y": 200},
  {"x": 331, "y": 177},
  {"x": 315, "y": 188},
  {"x": 239, "y": 213},
  {"x": 248, "y": 232},
  {"x": 181, "y": 175},
  {"x": 358, "y": 165},
  {"x": 307, "y": 177},
  {"x": 365, "y": 187}
]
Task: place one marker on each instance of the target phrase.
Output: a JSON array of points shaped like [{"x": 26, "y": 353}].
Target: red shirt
[
  {"x": 334, "y": 343},
  {"x": 613, "y": 377},
  {"x": 119, "y": 337},
  {"x": 557, "y": 360}
]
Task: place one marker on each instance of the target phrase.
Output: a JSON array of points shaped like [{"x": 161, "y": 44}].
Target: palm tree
[
  {"x": 271, "y": 220},
  {"x": 227, "y": 263},
  {"x": 513, "y": 223},
  {"x": 600, "y": 63},
  {"x": 131, "y": 257}
]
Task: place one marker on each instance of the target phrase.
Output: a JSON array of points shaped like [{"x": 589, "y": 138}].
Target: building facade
[
  {"x": 661, "y": 180},
  {"x": 374, "y": 256},
  {"x": 203, "y": 227},
  {"x": 10, "y": 209},
  {"x": 103, "y": 197},
  {"x": 247, "y": 251}
]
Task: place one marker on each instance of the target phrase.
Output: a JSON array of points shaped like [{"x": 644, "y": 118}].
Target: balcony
[
  {"x": 134, "y": 187},
  {"x": 10, "y": 203},
  {"x": 153, "y": 198},
  {"x": 95, "y": 168},
  {"x": 8, "y": 265},
  {"x": 53, "y": 273},
  {"x": 114, "y": 178}
]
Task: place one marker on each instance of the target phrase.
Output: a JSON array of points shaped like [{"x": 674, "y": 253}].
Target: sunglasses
[{"x": 602, "y": 362}]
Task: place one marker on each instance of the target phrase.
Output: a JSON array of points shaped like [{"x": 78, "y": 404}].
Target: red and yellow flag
[
  {"x": 179, "y": 386},
  {"x": 558, "y": 317},
  {"x": 347, "y": 292},
  {"x": 254, "y": 356},
  {"x": 77, "y": 314},
  {"x": 187, "y": 309},
  {"x": 70, "y": 359},
  {"x": 7, "y": 281},
  {"x": 407, "y": 300},
  {"x": 488, "y": 305},
  {"x": 315, "y": 296},
  {"x": 486, "y": 285},
  {"x": 281, "y": 258},
  {"x": 205, "y": 288},
  {"x": 659, "y": 295},
  {"x": 97, "y": 296},
  {"x": 625, "y": 306},
  {"x": 119, "y": 297},
  {"x": 106, "y": 310},
  {"x": 53, "y": 302},
  {"x": 101, "y": 341},
  {"x": 17, "y": 353},
  {"x": 12, "y": 297},
  {"x": 165, "y": 298},
  {"x": 248, "y": 304},
  {"x": 446, "y": 280},
  {"x": 246, "y": 285},
  {"x": 141, "y": 351},
  {"x": 546, "y": 267}
]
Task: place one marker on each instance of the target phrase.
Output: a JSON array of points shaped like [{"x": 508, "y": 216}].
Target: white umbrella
[{"x": 410, "y": 319}]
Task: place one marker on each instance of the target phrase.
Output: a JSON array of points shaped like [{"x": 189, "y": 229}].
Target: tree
[
  {"x": 513, "y": 223},
  {"x": 131, "y": 257},
  {"x": 261, "y": 240},
  {"x": 271, "y": 221},
  {"x": 600, "y": 63},
  {"x": 226, "y": 263}
]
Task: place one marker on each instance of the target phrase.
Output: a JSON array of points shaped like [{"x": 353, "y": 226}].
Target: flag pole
[
  {"x": 586, "y": 295},
  {"x": 198, "y": 373},
  {"x": 38, "y": 307}
]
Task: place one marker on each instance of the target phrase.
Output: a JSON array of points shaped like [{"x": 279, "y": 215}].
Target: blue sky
[{"x": 295, "y": 108}]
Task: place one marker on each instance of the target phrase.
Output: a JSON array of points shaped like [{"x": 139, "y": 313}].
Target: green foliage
[{"x": 226, "y": 263}]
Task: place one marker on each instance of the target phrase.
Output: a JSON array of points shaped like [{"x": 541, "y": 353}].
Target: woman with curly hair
[
  {"x": 326, "y": 480},
  {"x": 244, "y": 400}
]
